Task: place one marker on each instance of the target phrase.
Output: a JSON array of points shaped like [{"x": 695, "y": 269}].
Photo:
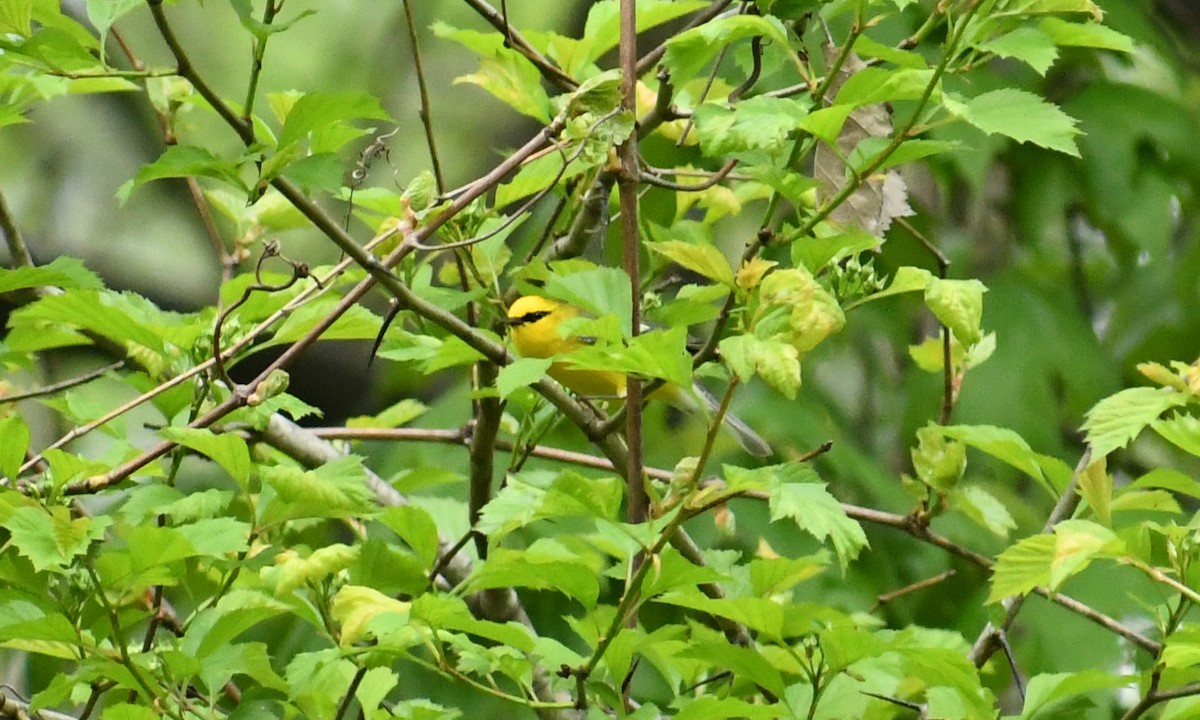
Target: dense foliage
[{"x": 940, "y": 254}]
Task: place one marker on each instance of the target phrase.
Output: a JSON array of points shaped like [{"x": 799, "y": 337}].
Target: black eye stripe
[{"x": 529, "y": 317}]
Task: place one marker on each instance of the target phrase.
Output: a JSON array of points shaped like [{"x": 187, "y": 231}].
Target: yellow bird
[{"x": 535, "y": 325}]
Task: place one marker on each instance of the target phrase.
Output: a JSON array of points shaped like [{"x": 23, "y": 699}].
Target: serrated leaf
[
  {"x": 778, "y": 363},
  {"x": 14, "y": 442},
  {"x": 62, "y": 272},
  {"x": 600, "y": 291},
  {"x": 520, "y": 373},
  {"x": 758, "y": 123},
  {"x": 984, "y": 509},
  {"x": 416, "y": 528},
  {"x": 745, "y": 663},
  {"x": 216, "y": 537},
  {"x": 316, "y": 110},
  {"x": 703, "y": 259},
  {"x": 186, "y": 161},
  {"x": 374, "y": 688},
  {"x": 1027, "y": 44},
  {"x": 334, "y": 490},
  {"x": 1022, "y": 567},
  {"x": 1096, "y": 487},
  {"x": 291, "y": 571},
  {"x": 689, "y": 51},
  {"x": 1182, "y": 431},
  {"x": 815, "y": 511},
  {"x": 506, "y": 568},
  {"x": 1077, "y": 543},
  {"x": 1002, "y": 444},
  {"x": 958, "y": 304},
  {"x": 757, "y": 613},
  {"x": 1047, "y": 693},
  {"x": 1020, "y": 115},
  {"x": 1090, "y": 35},
  {"x": 1116, "y": 420},
  {"x": 1169, "y": 479},
  {"x": 354, "y": 607},
  {"x": 50, "y": 537},
  {"x": 227, "y": 450},
  {"x": 401, "y": 413}
]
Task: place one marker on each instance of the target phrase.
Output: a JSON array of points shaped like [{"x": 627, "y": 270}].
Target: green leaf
[
  {"x": 63, "y": 272},
  {"x": 864, "y": 46},
  {"x": 50, "y": 537},
  {"x": 1182, "y": 431},
  {"x": 779, "y": 574},
  {"x": 416, "y": 528},
  {"x": 373, "y": 688},
  {"x": 1048, "y": 559},
  {"x": 815, "y": 253},
  {"x": 1096, "y": 487},
  {"x": 503, "y": 72},
  {"x": 1168, "y": 479},
  {"x": 759, "y": 123},
  {"x": 179, "y": 161},
  {"x": 354, "y": 607},
  {"x": 1022, "y": 567},
  {"x": 227, "y": 450},
  {"x": 292, "y": 571},
  {"x": 705, "y": 260},
  {"x": 125, "y": 319},
  {"x": 600, "y": 291},
  {"x": 984, "y": 509},
  {"x": 872, "y": 85},
  {"x": 658, "y": 354},
  {"x": 1019, "y": 115},
  {"x": 711, "y": 707},
  {"x": 1002, "y": 444},
  {"x": 1077, "y": 543},
  {"x": 539, "y": 569},
  {"x": 778, "y": 363},
  {"x": 1090, "y": 35},
  {"x": 744, "y": 663},
  {"x": 356, "y": 323},
  {"x": 14, "y": 443},
  {"x": 400, "y": 413},
  {"x": 814, "y": 510},
  {"x": 760, "y": 614},
  {"x": 217, "y": 537},
  {"x": 1030, "y": 45},
  {"x": 689, "y": 51},
  {"x": 520, "y": 373},
  {"x": 603, "y": 28},
  {"x": 938, "y": 463},
  {"x": 1182, "y": 648},
  {"x": 313, "y": 111},
  {"x": 1119, "y": 418},
  {"x": 1049, "y": 695},
  {"x": 958, "y": 304},
  {"x": 333, "y": 490}
]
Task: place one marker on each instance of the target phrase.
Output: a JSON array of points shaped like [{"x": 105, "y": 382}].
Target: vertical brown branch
[
  {"x": 639, "y": 503},
  {"x": 482, "y": 449},
  {"x": 423, "y": 91}
]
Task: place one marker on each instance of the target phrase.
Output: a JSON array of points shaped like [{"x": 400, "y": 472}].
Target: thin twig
[
  {"x": 12, "y": 237},
  {"x": 885, "y": 598},
  {"x": 423, "y": 91},
  {"x": 458, "y": 437},
  {"x": 517, "y": 42},
  {"x": 63, "y": 385}
]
